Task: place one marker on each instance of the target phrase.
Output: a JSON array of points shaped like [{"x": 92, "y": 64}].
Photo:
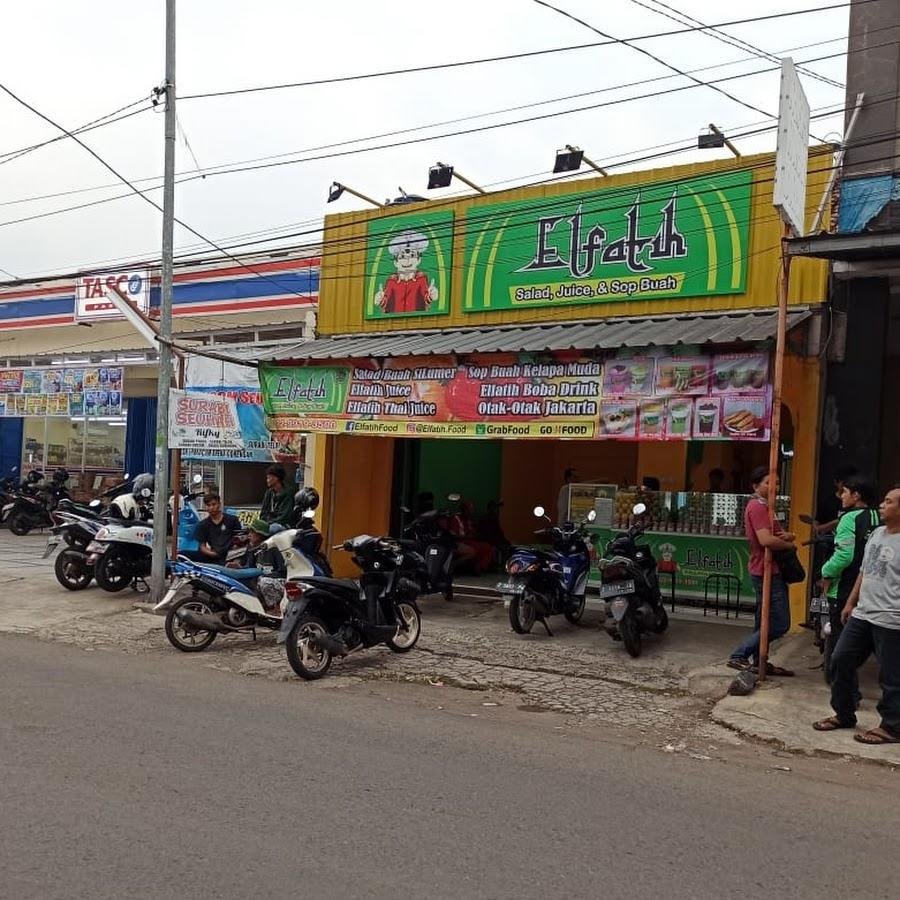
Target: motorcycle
[
  {"x": 630, "y": 585},
  {"x": 226, "y": 601},
  {"x": 543, "y": 583},
  {"x": 71, "y": 567},
  {"x": 429, "y": 535},
  {"x": 120, "y": 553},
  {"x": 327, "y": 617},
  {"x": 32, "y": 507},
  {"x": 8, "y": 488}
]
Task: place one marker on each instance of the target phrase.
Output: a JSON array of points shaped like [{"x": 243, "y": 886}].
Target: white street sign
[{"x": 789, "y": 195}]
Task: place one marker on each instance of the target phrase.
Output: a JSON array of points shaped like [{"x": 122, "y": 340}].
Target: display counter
[{"x": 697, "y": 538}]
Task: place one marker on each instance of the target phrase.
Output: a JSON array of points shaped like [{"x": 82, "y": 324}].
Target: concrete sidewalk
[{"x": 782, "y": 710}]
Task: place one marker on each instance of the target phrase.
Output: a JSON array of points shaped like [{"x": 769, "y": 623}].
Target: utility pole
[{"x": 161, "y": 499}]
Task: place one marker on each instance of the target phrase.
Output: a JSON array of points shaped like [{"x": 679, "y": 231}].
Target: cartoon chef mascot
[{"x": 409, "y": 290}]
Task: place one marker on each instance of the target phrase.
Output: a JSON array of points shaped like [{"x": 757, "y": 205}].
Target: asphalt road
[{"x": 145, "y": 776}]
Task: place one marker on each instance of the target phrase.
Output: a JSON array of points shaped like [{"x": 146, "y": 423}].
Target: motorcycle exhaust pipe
[
  {"x": 329, "y": 643},
  {"x": 203, "y": 621}
]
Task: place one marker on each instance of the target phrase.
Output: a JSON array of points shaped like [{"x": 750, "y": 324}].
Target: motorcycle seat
[
  {"x": 236, "y": 574},
  {"x": 344, "y": 585}
]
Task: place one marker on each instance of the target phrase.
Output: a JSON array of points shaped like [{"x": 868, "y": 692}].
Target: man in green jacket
[
  {"x": 857, "y": 521},
  {"x": 278, "y": 500}
]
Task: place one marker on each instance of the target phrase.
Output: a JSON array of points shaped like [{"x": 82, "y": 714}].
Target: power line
[
  {"x": 415, "y": 128},
  {"x": 676, "y": 15},
  {"x": 355, "y": 243},
  {"x": 102, "y": 122},
  {"x": 135, "y": 190},
  {"x": 511, "y": 56},
  {"x": 449, "y": 201}
]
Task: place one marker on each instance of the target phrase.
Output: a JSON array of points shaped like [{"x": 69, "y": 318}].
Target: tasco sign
[
  {"x": 685, "y": 238},
  {"x": 91, "y": 294}
]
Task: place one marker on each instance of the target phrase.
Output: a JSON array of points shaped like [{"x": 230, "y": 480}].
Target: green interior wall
[{"x": 470, "y": 468}]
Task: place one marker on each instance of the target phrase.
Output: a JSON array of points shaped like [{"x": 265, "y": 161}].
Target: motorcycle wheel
[
  {"x": 308, "y": 662},
  {"x": 631, "y": 635},
  {"x": 71, "y": 570},
  {"x": 522, "y": 612},
  {"x": 404, "y": 641},
  {"x": 113, "y": 573},
  {"x": 574, "y": 615},
  {"x": 662, "y": 621},
  {"x": 20, "y": 524},
  {"x": 183, "y": 637}
]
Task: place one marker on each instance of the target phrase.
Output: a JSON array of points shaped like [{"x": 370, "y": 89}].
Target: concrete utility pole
[{"x": 161, "y": 499}]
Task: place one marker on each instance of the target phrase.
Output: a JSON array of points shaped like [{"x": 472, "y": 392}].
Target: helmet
[
  {"x": 145, "y": 480},
  {"x": 306, "y": 498},
  {"x": 61, "y": 475},
  {"x": 34, "y": 476}
]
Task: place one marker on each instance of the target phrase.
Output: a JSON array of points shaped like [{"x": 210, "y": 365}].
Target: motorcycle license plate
[
  {"x": 52, "y": 544},
  {"x": 616, "y": 589},
  {"x": 818, "y": 605},
  {"x": 510, "y": 588}
]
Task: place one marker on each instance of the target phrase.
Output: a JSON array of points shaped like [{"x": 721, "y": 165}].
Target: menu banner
[
  {"x": 495, "y": 396},
  {"x": 203, "y": 422},
  {"x": 94, "y": 391},
  {"x": 646, "y": 398}
]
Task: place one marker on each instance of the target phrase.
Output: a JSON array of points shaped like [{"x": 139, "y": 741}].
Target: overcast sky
[{"x": 78, "y": 61}]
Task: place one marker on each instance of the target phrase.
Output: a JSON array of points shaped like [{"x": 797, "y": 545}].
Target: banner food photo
[
  {"x": 205, "y": 422},
  {"x": 64, "y": 391},
  {"x": 525, "y": 396}
]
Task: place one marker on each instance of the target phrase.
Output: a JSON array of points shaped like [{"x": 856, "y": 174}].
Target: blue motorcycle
[{"x": 544, "y": 583}]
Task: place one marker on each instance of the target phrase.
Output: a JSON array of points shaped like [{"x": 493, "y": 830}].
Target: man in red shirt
[
  {"x": 763, "y": 532},
  {"x": 408, "y": 291}
]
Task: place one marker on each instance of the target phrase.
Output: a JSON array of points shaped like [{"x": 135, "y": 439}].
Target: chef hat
[{"x": 414, "y": 241}]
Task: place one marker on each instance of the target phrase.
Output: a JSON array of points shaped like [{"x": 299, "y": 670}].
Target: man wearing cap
[
  {"x": 258, "y": 532},
  {"x": 409, "y": 290},
  {"x": 278, "y": 500}
]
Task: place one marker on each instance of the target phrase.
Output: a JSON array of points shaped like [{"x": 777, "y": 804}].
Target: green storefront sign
[
  {"x": 409, "y": 260},
  {"x": 685, "y": 238},
  {"x": 694, "y": 558},
  {"x": 299, "y": 391}
]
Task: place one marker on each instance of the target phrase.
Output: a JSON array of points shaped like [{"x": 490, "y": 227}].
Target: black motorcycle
[
  {"x": 328, "y": 617},
  {"x": 429, "y": 535},
  {"x": 630, "y": 585},
  {"x": 34, "y": 505},
  {"x": 8, "y": 490}
]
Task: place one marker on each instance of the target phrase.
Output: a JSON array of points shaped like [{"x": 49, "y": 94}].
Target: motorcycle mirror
[
  {"x": 592, "y": 515},
  {"x": 539, "y": 512},
  {"x": 454, "y": 498},
  {"x": 639, "y": 509},
  {"x": 94, "y": 504},
  {"x": 145, "y": 493},
  {"x": 126, "y": 476},
  {"x": 197, "y": 479}
]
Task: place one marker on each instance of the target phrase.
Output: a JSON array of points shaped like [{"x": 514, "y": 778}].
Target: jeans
[
  {"x": 779, "y": 618},
  {"x": 857, "y": 642},
  {"x": 837, "y": 627}
]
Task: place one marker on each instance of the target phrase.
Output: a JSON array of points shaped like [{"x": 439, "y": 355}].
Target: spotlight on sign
[
  {"x": 439, "y": 176},
  {"x": 568, "y": 161}
]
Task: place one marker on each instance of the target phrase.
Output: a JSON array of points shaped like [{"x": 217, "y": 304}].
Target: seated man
[{"x": 215, "y": 533}]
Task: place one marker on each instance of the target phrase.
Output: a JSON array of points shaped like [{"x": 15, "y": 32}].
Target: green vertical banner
[
  {"x": 409, "y": 260},
  {"x": 685, "y": 238}
]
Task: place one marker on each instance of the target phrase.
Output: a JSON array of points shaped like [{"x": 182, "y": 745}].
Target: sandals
[
  {"x": 778, "y": 672},
  {"x": 833, "y": 723},
  {"x": 739, "y": 663},
  {"x": 876, "y": 737}
]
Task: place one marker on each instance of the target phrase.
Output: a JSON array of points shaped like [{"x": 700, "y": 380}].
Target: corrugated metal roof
[{"x": 606, "y": 334}]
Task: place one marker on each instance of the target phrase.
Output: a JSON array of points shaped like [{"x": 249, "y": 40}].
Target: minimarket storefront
[{"x": 620, "y": 327}]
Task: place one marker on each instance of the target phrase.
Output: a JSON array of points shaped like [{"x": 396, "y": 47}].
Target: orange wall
[
  {"x": 343, "y": 269},
  {"x": 359, "y": 499}
]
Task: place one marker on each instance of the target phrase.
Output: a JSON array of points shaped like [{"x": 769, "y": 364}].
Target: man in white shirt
[{"x": 872, "y": 617}]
